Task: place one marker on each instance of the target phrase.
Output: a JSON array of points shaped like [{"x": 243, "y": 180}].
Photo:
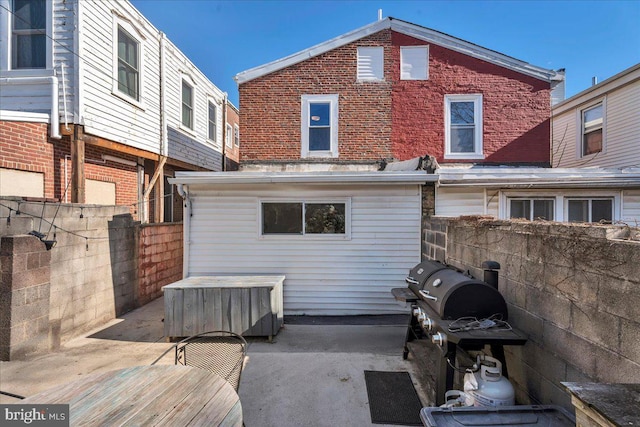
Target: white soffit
[
  {"x": 381, "y": 177},
  {"x": 412, "y": 30}
]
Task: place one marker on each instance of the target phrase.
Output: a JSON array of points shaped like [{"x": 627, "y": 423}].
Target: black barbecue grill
[{"x": 455, "y": 310}]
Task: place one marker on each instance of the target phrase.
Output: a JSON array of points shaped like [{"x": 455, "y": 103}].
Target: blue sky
[{"x": 223, "y": 38}]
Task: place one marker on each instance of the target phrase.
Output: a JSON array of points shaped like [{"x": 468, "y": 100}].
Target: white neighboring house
[
  {"x": 125, "y": 107},
  {"x": 553, "y": 194},
  {"x": 342, "y": 239},
  {"x": 599, "y": 126}
]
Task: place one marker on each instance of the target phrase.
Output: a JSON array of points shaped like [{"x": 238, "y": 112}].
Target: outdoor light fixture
[{"x": 49, "y": 244}]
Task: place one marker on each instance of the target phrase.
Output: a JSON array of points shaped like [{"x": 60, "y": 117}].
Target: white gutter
[
  {"x": 381, "y": 177},
  {"x": 164, "y": 146},
  {"x": 186, "y": 227},
  {"x": 54, "y": 117}
]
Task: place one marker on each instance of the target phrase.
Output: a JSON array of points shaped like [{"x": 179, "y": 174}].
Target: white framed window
[
  {"x": 212, "y": 133},
  {"x": 414, "y": 62},
  {"x": 30, "y": 34},
  {"x": 187, "y": 104},
  {"x": 311, "y": 219},
  {"x": 236, "y": 135},
  {"x": 370, "y": 63},
  {"x": 229, "y": 136},
  {"x": 319, "y": 126},
  {"x": 128, "y": 64},
  {"x": 592, "y": 129},
  {"x": 589, "y": 209},
  {"x": 463, "y": 126},
  {"x": 531, "y": 208}
]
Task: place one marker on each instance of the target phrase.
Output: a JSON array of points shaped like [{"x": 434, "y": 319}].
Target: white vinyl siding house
[
  {"x": 618, "y": 99},
  {"x": 326, "y": 274}
]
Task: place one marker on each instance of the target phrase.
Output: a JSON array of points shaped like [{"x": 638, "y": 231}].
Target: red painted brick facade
[
  {"x": 395, "y": 118},
  {"x": 26, "y": 146},
  {"x": 159, "y": 260}
]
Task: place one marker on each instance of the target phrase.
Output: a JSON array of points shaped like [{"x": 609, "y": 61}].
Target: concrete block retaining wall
[
  {"x": 573, "y": 289},
  {"x": 93, "y": 275}
]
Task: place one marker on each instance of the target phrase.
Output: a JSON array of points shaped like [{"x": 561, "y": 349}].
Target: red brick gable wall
[
  {"x": 516, "y": 108},
  {"x": 270, "y": 107},
  {"x": 395, "y": 118}
]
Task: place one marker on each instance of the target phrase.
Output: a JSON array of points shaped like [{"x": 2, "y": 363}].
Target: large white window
[
  {"x": 213, "y": 122},
  {"x": 128, "y": 64},
  {"x": 414, "y": 62},
  {"x": 311, "y": 218},
  {"x": 463, "y": 127},
  {"x": 590, "y": 210},
  {"x": 319, "y": 126},
  {"x": 371, "y": 63},
  {"x": 29, "y": 34},
  {"x": 592, "y": 129},
  {"x": 187, "y": 105}
]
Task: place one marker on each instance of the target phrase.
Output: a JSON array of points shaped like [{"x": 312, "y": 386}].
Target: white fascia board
[
  {"x": 411, "y": 30},
  {"x": 24, "y": 116},
  {"x": 538, "y": 177},
  {"x": 474, "y": 50},
  {"x": 413, "y": 177},
  {"x": 316, "y": 50},
  {"x": 628, "y": 76}
]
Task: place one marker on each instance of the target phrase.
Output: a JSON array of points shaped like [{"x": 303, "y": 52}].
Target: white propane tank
[{"x": 489, "y": 387}]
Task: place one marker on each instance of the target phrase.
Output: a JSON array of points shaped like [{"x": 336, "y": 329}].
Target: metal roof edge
[
  {"x": 339, "y": 41},
  {"x": 412, "y": 30},
  {"x": 379, "y": 177}
]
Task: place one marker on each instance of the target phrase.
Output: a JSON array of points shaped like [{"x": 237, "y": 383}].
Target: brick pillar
[{"x": 24, "y": 296}]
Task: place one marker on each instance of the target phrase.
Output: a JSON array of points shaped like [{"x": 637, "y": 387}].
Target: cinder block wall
[
  {"x": 160, "y": 259},
  {"x": 24, "y": 296},
  {"x": 573, "y": 289}
]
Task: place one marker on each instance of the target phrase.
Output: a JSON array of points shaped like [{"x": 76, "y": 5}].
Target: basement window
[{"x": 317, "y": 219}]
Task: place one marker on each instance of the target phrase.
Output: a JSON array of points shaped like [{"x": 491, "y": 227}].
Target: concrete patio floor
[{"x": 311, "y": 375}]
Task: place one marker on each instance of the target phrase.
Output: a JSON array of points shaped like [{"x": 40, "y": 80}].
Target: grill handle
[
  {"x": 425, "y": 294},
  {"x": 411, "y": 280}
]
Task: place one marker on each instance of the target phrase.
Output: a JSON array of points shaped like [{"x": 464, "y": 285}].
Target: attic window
[
  {"x": 370, "y": 63},
  {"x": 414, "y": 62}
]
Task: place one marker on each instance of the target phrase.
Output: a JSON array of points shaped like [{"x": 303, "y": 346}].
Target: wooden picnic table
[{"x": 148, "y": 395}]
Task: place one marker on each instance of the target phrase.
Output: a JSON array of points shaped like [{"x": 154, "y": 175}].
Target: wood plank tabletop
[{"x": 158, "y": 395}]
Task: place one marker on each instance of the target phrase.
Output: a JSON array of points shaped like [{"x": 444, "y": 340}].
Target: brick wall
[
  {"x": 574, "y": 290},
  {"x": 270, "y": 107},
  {"x": 516, "y": 108},
  {"x": 26, "y": 146},
  {"x": 394, "y": 118},
  {"x": 159, "y": 259}
]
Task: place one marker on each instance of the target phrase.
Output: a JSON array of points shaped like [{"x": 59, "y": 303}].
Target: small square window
[{"x": 414, "y": 62}]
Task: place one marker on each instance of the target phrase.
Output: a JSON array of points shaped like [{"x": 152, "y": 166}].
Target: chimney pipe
[
  {"x": 379, "y": 14},
  {"x": 594, "y": 81}
]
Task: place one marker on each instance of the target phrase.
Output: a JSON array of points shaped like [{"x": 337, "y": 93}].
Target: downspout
[
  {"x": 183, "y": 190},
  {"x": 54, "y": 119},
  {"x": 164, "y": 148},
  {"x": 224, "y": 131}
]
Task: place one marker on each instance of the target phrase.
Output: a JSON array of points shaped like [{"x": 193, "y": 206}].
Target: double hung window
[
  {"x": 592, "y": 126},
  {"x": 305, "y": 218},
  {"x": 236, "y": 135},
  {"x": 187, "y": 105},
  {"x": 463, "y": 127},
  {"x": 29, "y": 34},
  {"x": 213, "y": 120},
  {"x": 319, "y": 126},
  {"x": 128, "y": 64}
]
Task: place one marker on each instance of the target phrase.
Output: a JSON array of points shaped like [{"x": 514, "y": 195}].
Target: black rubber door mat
[{"x": 392, "y": 398}]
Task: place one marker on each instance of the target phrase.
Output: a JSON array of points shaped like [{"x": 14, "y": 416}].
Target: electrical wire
[{"x": 472, "y": 323}]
